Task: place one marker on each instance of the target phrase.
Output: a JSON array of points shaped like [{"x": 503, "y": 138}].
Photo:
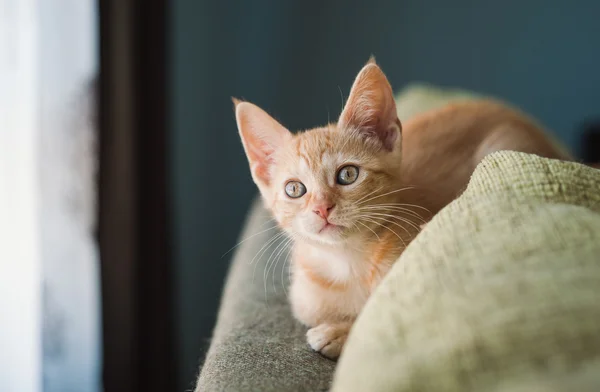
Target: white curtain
[
  {"x": 49, "y": 273},
  {"x": 20, "y": 262}
]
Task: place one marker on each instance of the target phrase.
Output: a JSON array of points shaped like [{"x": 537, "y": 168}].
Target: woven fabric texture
[{"x": 500, "y": 292}]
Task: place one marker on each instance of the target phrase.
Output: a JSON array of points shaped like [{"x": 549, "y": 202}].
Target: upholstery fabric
[{"x": 500, "y": 292}]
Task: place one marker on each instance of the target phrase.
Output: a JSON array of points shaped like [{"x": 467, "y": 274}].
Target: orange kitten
[{"x": 354, "y": 194}]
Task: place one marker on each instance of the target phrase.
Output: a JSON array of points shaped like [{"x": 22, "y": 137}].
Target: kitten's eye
[
  {"x": 347, "y": 175},
  {"x": 295, "y": 189}
]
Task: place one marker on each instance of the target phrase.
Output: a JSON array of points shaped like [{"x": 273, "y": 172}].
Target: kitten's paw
[{"x": 328, "y": 339}]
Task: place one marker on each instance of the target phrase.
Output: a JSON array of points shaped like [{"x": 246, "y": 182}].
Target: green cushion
[
  {"x": 418, "y": 98},
  {"x": 500, "y": 292}
]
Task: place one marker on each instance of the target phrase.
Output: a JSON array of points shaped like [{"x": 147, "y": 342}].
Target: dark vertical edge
[
  {"x": 117, "y": 199},
  {"x": 155, "y": 292},
  {"x": 590, "y": 142},
  {"x": 133, "y": 223}
]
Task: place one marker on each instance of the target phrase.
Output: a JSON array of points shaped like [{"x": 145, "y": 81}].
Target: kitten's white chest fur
[
  {"x": 328, "y": 281},
  {"x": 342, "y": 264}
]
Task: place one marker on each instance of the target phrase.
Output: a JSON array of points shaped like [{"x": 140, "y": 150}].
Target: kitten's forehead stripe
[
  {"x": 323, "y": 151},
  {"x": 303, "y": 165},
  {"x": 301, "y": 151},
  {"x": 313, "y": 146},
  {"x": 329, "y": 163}
]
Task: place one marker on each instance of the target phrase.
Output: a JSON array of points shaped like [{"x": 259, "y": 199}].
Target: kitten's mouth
[{"x": 328, "y": 227}]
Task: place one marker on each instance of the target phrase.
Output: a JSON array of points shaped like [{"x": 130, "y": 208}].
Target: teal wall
[{"x": 291, "y": 56}]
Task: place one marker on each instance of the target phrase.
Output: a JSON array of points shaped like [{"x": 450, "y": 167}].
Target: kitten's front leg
[
  {"x": 328, "y": 338},
  {"x": 313, "y": 307},
  {"x": 327, "y": 307}
]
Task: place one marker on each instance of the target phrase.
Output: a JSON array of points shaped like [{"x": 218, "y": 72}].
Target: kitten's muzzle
[{"x": 323, "y": 210}]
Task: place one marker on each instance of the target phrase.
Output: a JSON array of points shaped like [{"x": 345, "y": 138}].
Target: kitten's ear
[
  {"x": 261, "y": 136},
  {"x": 371, "y": 108}
]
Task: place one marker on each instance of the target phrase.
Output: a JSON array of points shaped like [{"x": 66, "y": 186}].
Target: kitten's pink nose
[{"x": 323, "y": 210}]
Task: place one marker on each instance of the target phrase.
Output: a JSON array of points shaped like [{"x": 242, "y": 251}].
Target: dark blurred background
[{"x": 173, "y": 182}]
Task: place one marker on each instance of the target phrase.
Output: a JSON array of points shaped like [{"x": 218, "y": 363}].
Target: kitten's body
[
  {"x": 443, "y": 146},
  {"x": 348, "y": 235}
]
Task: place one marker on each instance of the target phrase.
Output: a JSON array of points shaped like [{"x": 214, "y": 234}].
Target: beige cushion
[{"x": 500, "y": 292}]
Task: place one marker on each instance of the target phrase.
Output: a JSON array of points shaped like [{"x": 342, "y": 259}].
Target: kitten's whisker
[
  {"x": 416, "y": 225},
  {"x": 290, "y": 246},
  {"x": 368, "y": 194},
  {"x": 404, "y": 205},
  {"x": 268, "y": 245},
  {"x": 290, "y": 267},
  {"x": 385, "y": 194},
  {"x": 393, "y": 223},
  {"x": 372, "y": 231},
  {"x": 396, "y": 211},
  {"x": 400, "y": 211},
  {"x": 270, "y": 241},
  {"x": 398, "y": 217},
  {"x": 285, "y": 262},
  {"x": 394, "y": 208},
  {"x": 356, "y": 226},
  {"x": 264, "y": 223},
  {"x": 246, "y": 239},
  {"x": 278, "y": 257},
  {"x": 262, "y": 250},
  {"x": 265, "y": 269},
  {"x": 376, "y": 215},
  {"x": 385, "y": 227},
  {"x": 273, "y": 264},
  {"x": 268, "y": 264}
]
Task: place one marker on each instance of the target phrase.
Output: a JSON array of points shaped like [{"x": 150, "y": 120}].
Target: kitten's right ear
[
  {"x": 261, "y": 136},
  {"x": 371, "y": 109}
]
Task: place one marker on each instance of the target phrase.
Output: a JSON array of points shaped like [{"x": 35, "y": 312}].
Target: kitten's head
[{"x": 319, "y": 183}]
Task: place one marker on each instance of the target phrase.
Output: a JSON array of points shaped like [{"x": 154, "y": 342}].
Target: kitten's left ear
[
  {"x": 371, "y": 109},
  {"x": 261, "y": 136}
]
